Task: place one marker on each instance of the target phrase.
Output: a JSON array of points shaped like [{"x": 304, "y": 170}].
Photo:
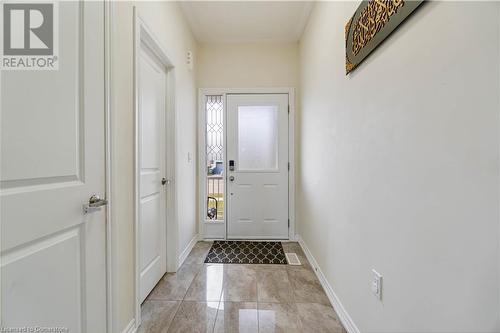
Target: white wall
[
  {"x": 252, "y": 65},
  {"x": 399, "y": 167},
  {"x": 167, "y": 23}
]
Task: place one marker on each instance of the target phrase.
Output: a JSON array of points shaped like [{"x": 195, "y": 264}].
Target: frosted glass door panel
[
  {"x": 257, "y": 188},
  {"x": 257, "y": 138}
]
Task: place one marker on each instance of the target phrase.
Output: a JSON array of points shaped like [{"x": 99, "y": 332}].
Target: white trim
[
  {"x": 143, "y": 35},
  {"x": 264, "y": 90},
  {"x": 137, "y": 292},
  {"x": 108, "y": 19},
  {"x": 131, "y": 328},
  {"x": 291, "y": 159},
  {"x": 185, "y": 253},
  {"x": 345, "y": 318},
  {"x": 497, "y": 142},
  {"x": 201, "y": 161},
  {"x": 202, "y": 93}
]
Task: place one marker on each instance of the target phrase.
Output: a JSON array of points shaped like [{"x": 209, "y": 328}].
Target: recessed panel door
[
  {"x": 257, "y": 169},
  {"x": 152, "y": 166},
  {"x": 53, "y": 264}
]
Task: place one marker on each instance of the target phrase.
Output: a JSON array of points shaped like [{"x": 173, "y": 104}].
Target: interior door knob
[
  {"x": 94, "y": 203},
  {"x": 231, "y": 178},
  {"x": 163, "y": 181}
]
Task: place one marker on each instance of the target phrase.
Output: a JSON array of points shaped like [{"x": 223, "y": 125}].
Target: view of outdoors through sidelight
[{"x": 215, "y": 158}]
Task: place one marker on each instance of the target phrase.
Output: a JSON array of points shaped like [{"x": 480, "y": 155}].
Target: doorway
[
  {"x": 247, "y": 164},
  {"x": 154, "y": 158},
  {"x": 257, "y": 166},
  {"x": 152, "y": 170}
]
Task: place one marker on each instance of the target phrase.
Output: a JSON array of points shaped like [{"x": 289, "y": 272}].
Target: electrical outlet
[{"x": 377, "y": 284}]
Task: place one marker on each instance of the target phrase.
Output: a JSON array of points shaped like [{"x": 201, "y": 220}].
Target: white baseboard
[
  {"x": 130, "y": 327},
  {"x": 184, "y": 254},
  {"x": 344, "y": 317}
]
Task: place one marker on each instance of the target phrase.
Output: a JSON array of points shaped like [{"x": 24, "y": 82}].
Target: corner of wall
[
  {"x": 185, "y": 252},
  {"x": 344, "y": 316}
]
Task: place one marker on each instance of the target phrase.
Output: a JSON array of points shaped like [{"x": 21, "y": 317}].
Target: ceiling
[{"x": 246, "y": 21}]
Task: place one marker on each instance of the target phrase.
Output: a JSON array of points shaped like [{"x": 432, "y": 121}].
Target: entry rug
[{"x": 239, "y": 252}]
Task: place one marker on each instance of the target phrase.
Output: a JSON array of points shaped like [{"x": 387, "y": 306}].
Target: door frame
[
  {"x": 202, "y": 93},
  {"x": 108, "y": 26},
  {"x": 144, "y": 35}
]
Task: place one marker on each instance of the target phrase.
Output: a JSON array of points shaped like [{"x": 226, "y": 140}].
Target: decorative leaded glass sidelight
[{"x": 214, "y": 157}]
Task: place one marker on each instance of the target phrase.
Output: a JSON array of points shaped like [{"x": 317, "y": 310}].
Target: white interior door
[
  {"x": 152, "y": 164},
  {"x": 52, "y": 161},
  {"x": 257, "y": 143}
]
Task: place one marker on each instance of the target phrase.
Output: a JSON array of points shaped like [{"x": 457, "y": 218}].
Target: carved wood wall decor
[{"x": 372, "y": 22}]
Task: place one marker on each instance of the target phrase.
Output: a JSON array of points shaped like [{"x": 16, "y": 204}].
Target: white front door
[
  {"x": 152, "y": 166},
  {"x": 257, "y": 151},
  {"x": 53, "y": 264}
]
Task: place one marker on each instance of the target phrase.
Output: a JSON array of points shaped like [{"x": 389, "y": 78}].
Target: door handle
[
  {"x": 165, "y": 181},
  {"x": 231, "y": 178},
  {"x": 94, "y": 204}
]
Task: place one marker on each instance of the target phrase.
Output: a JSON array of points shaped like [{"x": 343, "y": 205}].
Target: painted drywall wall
[
  {"x": 399, "y": 167},
  {"x": 234, "y": 65},
  {"x": 167, "y": 23}
]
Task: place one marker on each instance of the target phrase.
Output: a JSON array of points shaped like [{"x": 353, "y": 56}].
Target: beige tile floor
[{"x": 239, "y": 298}]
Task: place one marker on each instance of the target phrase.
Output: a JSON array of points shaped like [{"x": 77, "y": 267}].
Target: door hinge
[
  {"x": 288, "y": 223},
  {"x": 289, "y": 109},
  {"x": 288, "y": 166}
]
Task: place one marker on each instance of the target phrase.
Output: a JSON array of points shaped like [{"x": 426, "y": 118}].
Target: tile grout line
[
  {"x": 257, "y": 299},
  {"x": 175, "y": 314},
  {"x": 218, "y": 305},
  {"x": 183, "y": 298},
  {"x": 190, "y": 284},
  {"x": 301, "y": 326}
]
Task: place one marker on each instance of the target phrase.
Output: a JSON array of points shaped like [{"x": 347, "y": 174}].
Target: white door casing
[
  {"x": 53, "y": 264},
  {"x": 257, "y": 142},
  {"x": 152, "y": 168}
]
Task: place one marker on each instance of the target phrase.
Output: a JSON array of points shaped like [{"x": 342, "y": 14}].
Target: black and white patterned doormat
[{"x": 240, "y": 252}]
